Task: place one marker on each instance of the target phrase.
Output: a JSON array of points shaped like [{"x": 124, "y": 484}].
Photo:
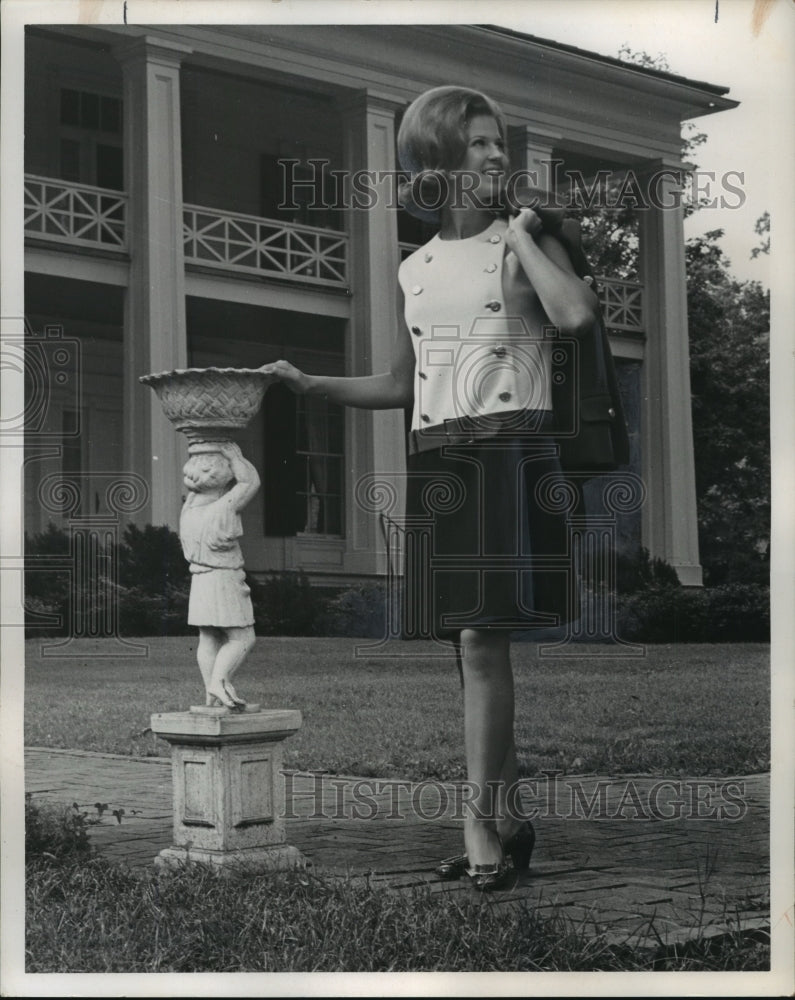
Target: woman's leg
[
  {"x": 509, "y": 818},
  {"x": 488, "y": 736}
]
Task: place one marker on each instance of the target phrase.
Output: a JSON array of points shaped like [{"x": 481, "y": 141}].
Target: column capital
[
  {"x": 533, "y": 136},
  {"x": 366, "y": 99},
  {"x": 147, "y": 48},
  {"x": 668, "y": 165}
]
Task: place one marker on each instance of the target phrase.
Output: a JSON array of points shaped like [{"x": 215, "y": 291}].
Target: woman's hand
[
  {"x": 289, "y": 374},
  {"x": 525, "y": 222}
]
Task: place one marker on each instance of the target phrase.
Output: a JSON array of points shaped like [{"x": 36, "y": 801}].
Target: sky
[{"x": 758, "y": 69}]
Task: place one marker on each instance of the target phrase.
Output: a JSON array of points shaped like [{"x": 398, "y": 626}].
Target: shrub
[
  {"x": 142, "y": 612},
  {"x": 46, "y": 590},
  {"x": 731, "y": 613},
  {"x": 663, "y": 614},
  {"x": 286, "y": 604},
  {"x": 739, "y": 612},
  {"x": 359, "y": 612},
  {"x": 55, "y": 832},
  {"x": 151, "y": 560},
  {"x": 637, "y": 570}
]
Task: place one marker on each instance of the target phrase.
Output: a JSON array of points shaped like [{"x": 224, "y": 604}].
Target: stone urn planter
[
  {"x": 208, "y": 403},
  {"x": 226, "y": 755}
]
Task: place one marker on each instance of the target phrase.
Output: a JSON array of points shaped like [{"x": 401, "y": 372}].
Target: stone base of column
[
  {"x": 228, "y": 787},
  {"x": 690, "y": 575}
]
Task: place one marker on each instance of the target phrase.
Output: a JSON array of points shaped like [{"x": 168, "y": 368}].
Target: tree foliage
[
  {"x": 729, "y": 340},
  {"x": 729, "y": 323},
  {"x": 762, "y": 228}
]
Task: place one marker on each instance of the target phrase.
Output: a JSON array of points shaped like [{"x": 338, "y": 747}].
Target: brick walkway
[{"x": 614, "y": 854}]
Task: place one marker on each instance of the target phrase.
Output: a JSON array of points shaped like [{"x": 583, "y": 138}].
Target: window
[
  {"x": 71, "y": 448},
  {"x": 303, "y": 465},
  {"x": 90, "y": 139},
  {"x": 310, "y": 187},
  {"x": 320, "y": 453},
  {"x": 93, "y": 112}
]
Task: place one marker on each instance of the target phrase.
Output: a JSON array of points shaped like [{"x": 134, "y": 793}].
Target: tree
[
  {"x": 729, "y": 338},
  {"x": 762, "y": 228},
  {"x": 729, "y": 325},
  {"x": 610, "y": 224}
]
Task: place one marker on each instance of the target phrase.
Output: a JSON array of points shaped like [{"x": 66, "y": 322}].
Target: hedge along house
[{"x": 158, "y": 236}]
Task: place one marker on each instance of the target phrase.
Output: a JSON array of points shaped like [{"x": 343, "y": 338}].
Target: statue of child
[{"x": 220, "y": 483}]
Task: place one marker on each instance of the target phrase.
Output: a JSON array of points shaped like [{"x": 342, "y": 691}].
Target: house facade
[{"x": 185, "y": 205}]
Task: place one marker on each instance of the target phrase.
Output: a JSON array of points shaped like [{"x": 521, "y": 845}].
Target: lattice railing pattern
[
  {"x": 247, "y": 243},
  {"x": 622, "y": 304},
  {"x": 82, "y": 215},
  {"x": 77, "y": 214}
]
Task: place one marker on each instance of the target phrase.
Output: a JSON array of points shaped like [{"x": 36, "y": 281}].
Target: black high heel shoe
[
  {"x": 487, "y": 878},
  {"x": 520, "y": 846},
  {"x": 453, "y": 868}
]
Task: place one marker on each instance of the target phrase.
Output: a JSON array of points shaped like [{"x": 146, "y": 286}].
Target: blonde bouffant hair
[{"x": 433, "y": 139}]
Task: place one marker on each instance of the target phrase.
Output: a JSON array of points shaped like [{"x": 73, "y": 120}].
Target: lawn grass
[
  {"x": 97, "y": 917},
  {"x": 699, "y": 710}
]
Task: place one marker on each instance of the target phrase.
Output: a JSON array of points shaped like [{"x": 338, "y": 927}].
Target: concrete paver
[{"x": 612, "y": 871}]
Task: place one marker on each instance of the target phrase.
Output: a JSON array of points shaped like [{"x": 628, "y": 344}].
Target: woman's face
[{"x": 485, "y": 160}]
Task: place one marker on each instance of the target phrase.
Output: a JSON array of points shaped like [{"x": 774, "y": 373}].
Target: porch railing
[
  {"x": 77, "y": 214},
  {"x": 87, "y": 216},
  {"x": 247, "y": 243},
  {"x": 622, "y": 304}
]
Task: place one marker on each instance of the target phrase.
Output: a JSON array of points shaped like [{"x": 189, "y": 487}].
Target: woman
[{"x": 473, "y": 356}]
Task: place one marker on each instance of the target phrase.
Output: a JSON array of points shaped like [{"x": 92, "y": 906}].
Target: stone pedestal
[{"x": 228, "y": 787}]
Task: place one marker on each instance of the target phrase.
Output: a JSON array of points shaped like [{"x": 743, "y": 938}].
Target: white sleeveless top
[{"x": 472, "y": 359}]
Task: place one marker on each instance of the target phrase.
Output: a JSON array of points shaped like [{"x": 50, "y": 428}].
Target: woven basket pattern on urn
[{"x": 209, "y": 397}]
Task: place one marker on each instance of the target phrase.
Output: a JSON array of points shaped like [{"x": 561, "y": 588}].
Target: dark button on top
[
  {"x": 500, "y": 351},
  {"x": 494, "y": 305},
  {"x": 505, "y": 396},
  {"x": 423, "y": 375},
  {"x": 416, "y": 331},
  {"x": 425, "y": 417}
]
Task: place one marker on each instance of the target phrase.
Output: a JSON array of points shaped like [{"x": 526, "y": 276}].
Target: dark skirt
[{"x": 486, "y": 538}]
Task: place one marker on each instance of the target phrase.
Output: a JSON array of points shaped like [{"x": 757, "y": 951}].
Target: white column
[
  {"x": 375, "y": 439},
  {"x": 155, "y": 337},
  {"x": 670, "y": 527}
]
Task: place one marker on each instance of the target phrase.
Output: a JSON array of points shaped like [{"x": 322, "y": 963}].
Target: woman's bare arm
[
  {"x": 390, "y": 390},
  {"x": 568, "y": 301}
]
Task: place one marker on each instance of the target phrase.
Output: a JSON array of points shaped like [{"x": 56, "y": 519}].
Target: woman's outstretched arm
[
  {"x": 389, "y": 390},
  {"x": 568, "y": 301}
]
